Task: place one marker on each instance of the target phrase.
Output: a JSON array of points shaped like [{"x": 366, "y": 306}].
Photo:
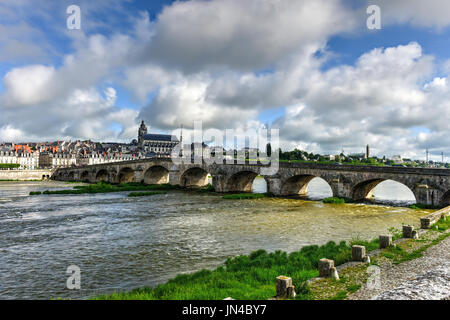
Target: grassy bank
[
  {"x": 419, "y": 206},
  {"x": 145, "y": 194},
  {"x": 103, "y": 187},
  {"x": 354, "y": 277},
  {"x": 253, "y": 276},
  {"x": 247, "y": 277}
]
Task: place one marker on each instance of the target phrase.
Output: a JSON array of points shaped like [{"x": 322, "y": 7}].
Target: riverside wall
[{"x": 25, "y": 175}]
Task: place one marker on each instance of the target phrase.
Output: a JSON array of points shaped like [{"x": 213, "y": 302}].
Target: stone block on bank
[
  {"x": 385, "y": 242},
  {"x": 408, "y": 232},
  {"x": 334, "y": 274},
  {"x": 428, "y": 221},
  {"x": 358, "y": 253},
  {"x": 325, "y": 266},
  {"x": 291, "y": 292},
  {"x": 283, "y": 283}
]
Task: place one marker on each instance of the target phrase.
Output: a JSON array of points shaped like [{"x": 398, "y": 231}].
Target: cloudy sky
[{"x": 310, "y": 68}]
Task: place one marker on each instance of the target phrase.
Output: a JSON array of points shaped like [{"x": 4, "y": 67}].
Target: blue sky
[{"x": 310, "y": 68}]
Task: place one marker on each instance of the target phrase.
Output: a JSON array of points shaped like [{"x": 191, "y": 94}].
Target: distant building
[
  {"x": 26, "y": 160},
  {"x": 358, "y": 156},
  {"x": 397, "y": 159},
  {"x": 57, "y": 160},
  {"x": 94, "y": 158},
  {"x": 156, "y": 145}
]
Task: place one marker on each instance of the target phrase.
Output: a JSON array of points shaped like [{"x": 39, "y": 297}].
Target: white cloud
[
  {"x": 225, "y": 62},
  {"x": 9, "y": 133},
  {"x": 28, "y": 85},
  {"x": 379, "y": 101},
  {"x": 242, "y": 35}
]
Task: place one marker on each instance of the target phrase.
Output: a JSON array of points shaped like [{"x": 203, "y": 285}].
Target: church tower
[{"x": 142, "y": 131}]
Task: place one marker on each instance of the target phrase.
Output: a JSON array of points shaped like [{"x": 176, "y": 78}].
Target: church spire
[{"x": 142, "y": 131}]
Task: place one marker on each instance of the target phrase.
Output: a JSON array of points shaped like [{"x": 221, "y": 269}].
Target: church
[{"x": 155, "y": 145}]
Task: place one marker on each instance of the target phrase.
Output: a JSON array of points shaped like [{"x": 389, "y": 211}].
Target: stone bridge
[{"x": 430, "y": 186}]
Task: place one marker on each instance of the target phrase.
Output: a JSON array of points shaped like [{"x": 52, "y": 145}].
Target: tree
[{"x": 269, "y": 150}]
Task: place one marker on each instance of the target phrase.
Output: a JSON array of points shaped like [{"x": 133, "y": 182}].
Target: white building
[
  {"x": 94, "y": 158},
  {"x": 397, "y": 159},
  {"x": 57, "y": 160},
  {"x": 24, "y": 159}
]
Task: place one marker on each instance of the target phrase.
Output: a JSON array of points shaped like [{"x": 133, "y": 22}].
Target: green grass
[
  {"x": 244, "y": 196},
  {"x": 341, "y": 295},
  {"x": 244, "y": 277},
  {"x": 419, "y": 206},
  {"x": 399, "y": 255},
  {"x": 205, "y": 189},
  {"x": 9, "y": 166},
  {"x": 35, "y": 193},
  {"x": 252, "y": 277},
  {"x": 145, "y": 194},
  {"x": 353, "y": 288},
  {"x": 335, "y": 200},
  {"x": 443, "y": 224},
  {"x": 103, "y": 187}
]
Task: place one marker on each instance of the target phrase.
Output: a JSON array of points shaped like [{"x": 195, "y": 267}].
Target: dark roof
[{"x": 160, "y": 137}]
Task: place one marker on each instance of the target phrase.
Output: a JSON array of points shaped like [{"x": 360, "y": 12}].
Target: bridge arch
[
  {"x": 241, "y": 181},
  {"x": 102, "y": 175},
  {"x": 445, "y": 200},
  {"x": 71, "y": 176},
  {"x": 126, "y": 175},
  {"x": 84, "y": 176},
  {"x": 298, "y": 185},
  {"x": 194, "y": 177},
  {"x": 156, "y": 175},
  {"x": 364, "y": 190}
]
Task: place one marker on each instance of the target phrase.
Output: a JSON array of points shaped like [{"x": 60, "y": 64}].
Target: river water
[{"x": 121, "y": 243}]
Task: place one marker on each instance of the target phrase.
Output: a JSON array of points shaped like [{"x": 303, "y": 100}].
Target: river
[{"x": 121, "y": 243}]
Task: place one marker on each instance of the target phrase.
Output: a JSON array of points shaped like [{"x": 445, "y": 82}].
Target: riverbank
[
  {"x": 389, "y": 268},
  {"x": 252, "y": 277},
  {"x": 413, "y": 279},
  {"x": 125, "y": 243}
]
